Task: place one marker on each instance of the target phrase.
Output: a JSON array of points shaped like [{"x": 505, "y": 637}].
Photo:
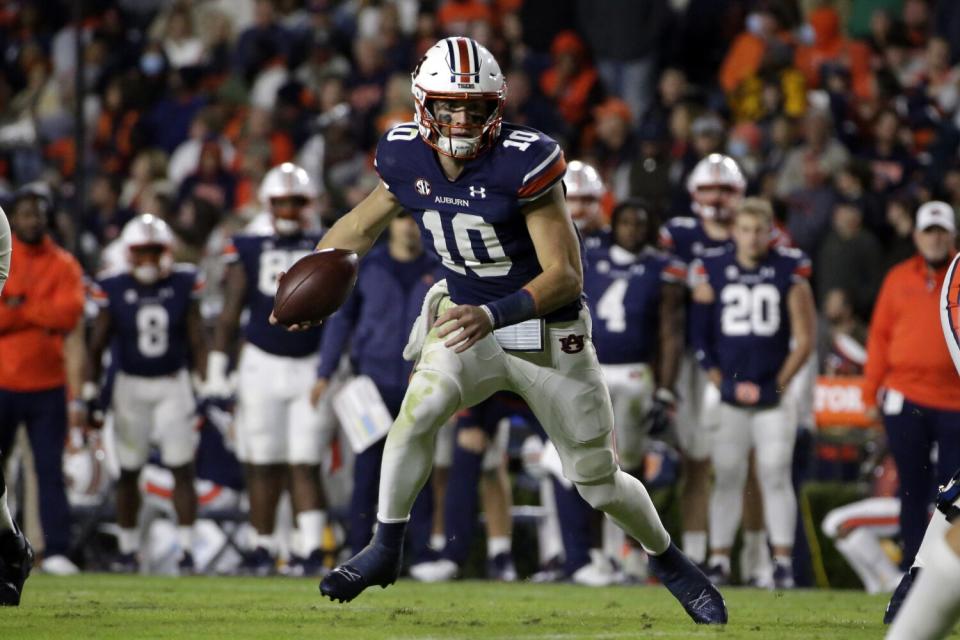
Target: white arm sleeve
[{"x": 5, "y": 249}]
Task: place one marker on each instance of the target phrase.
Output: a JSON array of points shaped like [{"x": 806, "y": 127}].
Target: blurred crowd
[{"x": 844, "y": 114}]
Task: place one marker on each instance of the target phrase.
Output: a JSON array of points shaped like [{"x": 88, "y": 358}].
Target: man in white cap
[{"x": 919, "y": 403}]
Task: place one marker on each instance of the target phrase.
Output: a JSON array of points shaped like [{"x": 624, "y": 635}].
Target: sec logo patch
[{"x": 422, "y": 187}]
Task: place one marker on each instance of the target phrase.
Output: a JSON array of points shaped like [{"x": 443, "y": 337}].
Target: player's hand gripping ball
[{"x": 314, "y": 287}]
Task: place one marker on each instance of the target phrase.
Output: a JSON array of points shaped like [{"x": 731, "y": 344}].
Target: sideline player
[
  {"x": 716, "y": 186},
  {"x": 509, "y": 314},
  {"x": 584, "y": 192},
  {"x": 151, "y": 312},
  {"x": 636, "y": 297},
  {"x": 933, "y": 606},
  {"x": 16, "y": 554},
  {"x": 750, "y": 305},
  {"x": 278, "y": 429}
]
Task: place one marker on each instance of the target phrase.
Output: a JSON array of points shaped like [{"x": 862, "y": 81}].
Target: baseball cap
[{"x": 936, "y": 214}]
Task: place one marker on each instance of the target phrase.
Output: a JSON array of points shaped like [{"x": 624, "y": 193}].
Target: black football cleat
[
  {"x": 16, "y": 561},
  {"x": 900, "y": 594},
  {"x": 688, "y": 584},
  {"x": 375, "y": 565}
]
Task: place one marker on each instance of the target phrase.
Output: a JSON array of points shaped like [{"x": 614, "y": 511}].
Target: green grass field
[{"x": 128, "y": 607}]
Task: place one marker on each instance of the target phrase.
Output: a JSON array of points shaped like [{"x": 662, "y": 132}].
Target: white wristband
[{"x": 486, "y": 310}]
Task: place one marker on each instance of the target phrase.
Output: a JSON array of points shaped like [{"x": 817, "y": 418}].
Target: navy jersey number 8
[{"x": 750, "y": 310}]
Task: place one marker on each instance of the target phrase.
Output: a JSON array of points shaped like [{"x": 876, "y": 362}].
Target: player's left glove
[{"x": 663, "y": 412}]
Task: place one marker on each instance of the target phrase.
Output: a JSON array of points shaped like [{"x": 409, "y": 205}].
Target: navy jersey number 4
[{"x": 474, "y": 224}]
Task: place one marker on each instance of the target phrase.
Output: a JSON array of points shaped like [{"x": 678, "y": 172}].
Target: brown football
[{"x": 315, "y": 286}]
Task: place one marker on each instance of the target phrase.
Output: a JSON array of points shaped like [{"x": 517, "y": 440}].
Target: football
[{"x": 315, "y": 286}]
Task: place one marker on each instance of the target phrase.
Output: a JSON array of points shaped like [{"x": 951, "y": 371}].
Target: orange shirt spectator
[
  {"x": 455, "y": 16},
  {"x": 571, "y": 82},
  {"x": 41, "y": 303},
  {"x": 830, "y": 46},
  {"x": 904, "y": 351}
]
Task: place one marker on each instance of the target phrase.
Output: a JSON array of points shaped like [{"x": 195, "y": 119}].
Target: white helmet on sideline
[
  {"x": 287, "y": 180},
  {"x": 144, "y": 232},
  {"x": 722, "y": 176}
]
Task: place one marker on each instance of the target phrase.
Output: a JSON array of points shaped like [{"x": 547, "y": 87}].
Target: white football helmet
[
  {"x": 584, "y": 190},
  {"x": 716, "y": 171},
  {"x": 458, "y": 69},
  {"x": 85, "y": 471},
  {"x": 582, "y": 181},
  {"x": 285, "y": 181},
  {"x": 148, "y": 230}
]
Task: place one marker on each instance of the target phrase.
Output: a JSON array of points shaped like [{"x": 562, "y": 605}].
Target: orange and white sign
[{"x": 838, "y": 402}]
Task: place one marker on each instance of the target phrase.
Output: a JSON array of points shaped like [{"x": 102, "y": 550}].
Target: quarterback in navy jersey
[
  {"x": 754, "y": 320},
  {"x": 150, "y": 312},
  {"x": 508, "y": 316},
  {"x": 278, "y": 428}
]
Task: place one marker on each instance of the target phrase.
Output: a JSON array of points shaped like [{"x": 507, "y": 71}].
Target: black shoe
[
  {"x": 717, "y": 575},
  {"x": 186, "y": 565},
  {"x": 375, "y": 565},
  {"x": 311, "y": 566},
  {"x": 259, "y": 563},
  {"x": 500, "y": 567},
  {"x": 900, "y": 594},
  {"x": 16, "y": 561},
  {"x": 688, "y": 584},
  {"x": 551, "y": 571},
  {"x": 124, "y": 563}
]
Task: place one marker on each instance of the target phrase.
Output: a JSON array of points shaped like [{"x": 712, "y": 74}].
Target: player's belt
[{"x": 523, "y": 336}]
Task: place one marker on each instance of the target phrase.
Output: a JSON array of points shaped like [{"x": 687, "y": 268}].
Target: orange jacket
[
  {"x": 905, "y": 347},
  {"x": 31, "y": 334}
]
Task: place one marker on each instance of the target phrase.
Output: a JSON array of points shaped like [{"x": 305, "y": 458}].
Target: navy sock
[
  {"x": 390, "y": 534},
  {"x": 460, "y": 504}
]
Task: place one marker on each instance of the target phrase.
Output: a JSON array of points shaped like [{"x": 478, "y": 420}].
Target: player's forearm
[
  {"x": 672, "y": 321},
  {"x": 555, "y": 287},
  {"x": 198, "y": 345},
  {"x": 359, "y": 229},
  {"x": 802, "y": 320},
  {"x": 791, "y": 366}
]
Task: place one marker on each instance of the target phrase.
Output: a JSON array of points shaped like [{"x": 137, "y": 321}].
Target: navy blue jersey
[
  {"x": 747, "y": 331},
  {"x": 263, "y": 257},
  {"x": 474, "y": 223},
  {"x": 150, "y": 321},
  {"x": 600, "y": 239},
  {"x": 685, "y": 238},
  {"x": 623, "y": 291},
  {"x": 376, "y": 320}
]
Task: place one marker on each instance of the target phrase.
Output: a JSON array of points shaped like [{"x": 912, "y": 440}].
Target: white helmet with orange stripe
[
  {"x": 149, "y": 242},
  {"x": 458, "y": 69},
  {"x": 584, "y": 191},
  {"x": 287, "y": 190},
  {"x": 716, "y": 184}
]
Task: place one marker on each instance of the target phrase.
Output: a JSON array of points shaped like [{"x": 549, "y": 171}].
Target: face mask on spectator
[{"x": 755, "y": 24}]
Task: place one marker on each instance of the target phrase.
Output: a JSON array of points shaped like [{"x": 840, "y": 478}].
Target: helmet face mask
[{"x": 455, "y": 72}]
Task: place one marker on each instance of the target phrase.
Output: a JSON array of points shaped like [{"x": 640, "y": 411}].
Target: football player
[
  {"x": 716, "y": 186},
  {"x": 151, "y": 312},
  {"x": 636, "y": 297},
  {"x": 751, "y": 304},
  {"x": 278, "y": 429},
  {"x": 584, "y": 191},
  {"x": 508, "y": 316},
  {"x": 16, "y": 554}
]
